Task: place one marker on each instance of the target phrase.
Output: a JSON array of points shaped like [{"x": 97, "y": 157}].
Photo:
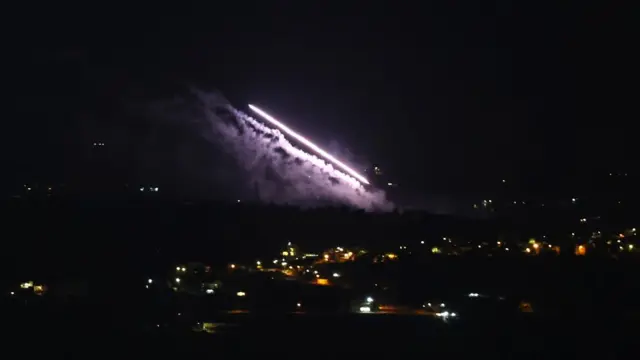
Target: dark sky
[{"x": 445, "y": 96}]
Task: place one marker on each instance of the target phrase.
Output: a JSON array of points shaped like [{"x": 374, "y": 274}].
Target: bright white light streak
[{"x": 313, "y": 146}]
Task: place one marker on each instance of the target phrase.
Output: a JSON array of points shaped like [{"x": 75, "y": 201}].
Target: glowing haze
[
  {"x": 308, "y": 143},
  {"x": 272, "y": 169}
]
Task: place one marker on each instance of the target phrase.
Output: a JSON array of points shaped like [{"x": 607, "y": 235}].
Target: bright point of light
[
  {"x": 365, "y": 309},
  {"x": 150, "y": 281},
  {"x": 442, "y": 305},
  {"x": 336, "y": 275},
  {"x": 177, "y": 280},
  {"x": 241, "y": 293},
  {"x": 308, "y": 143},
  {"x": 369, "y": 299},
  {"x": 209, "y": 291},
  {"x": 259, "y": 263},
  {"x": 473, "y": 294},
  {"x": 453, "y": 314},
  {"x": 298, "y": 305}
]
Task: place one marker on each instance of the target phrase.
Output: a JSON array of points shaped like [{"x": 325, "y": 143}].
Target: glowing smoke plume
[{"x": 301, "y": 178}]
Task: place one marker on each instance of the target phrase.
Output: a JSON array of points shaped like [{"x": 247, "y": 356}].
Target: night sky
[{"x": 446, "y": 97}]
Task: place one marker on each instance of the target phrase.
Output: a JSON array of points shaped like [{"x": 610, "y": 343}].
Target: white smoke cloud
[{"x": 300, "y": 177}]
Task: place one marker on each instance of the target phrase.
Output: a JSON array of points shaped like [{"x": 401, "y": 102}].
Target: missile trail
[{"x": 308, "y": 143}]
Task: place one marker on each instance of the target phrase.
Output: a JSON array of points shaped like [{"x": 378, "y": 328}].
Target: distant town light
[
  {"x": 365, "y": 309},
  {"x": 336, "y": 275},
  {"x": 241, "y": 293},
  {"x": 178, "y": 280},
  {"x": 150, "y": 281},
  {"x": 369, "y": 299}
]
